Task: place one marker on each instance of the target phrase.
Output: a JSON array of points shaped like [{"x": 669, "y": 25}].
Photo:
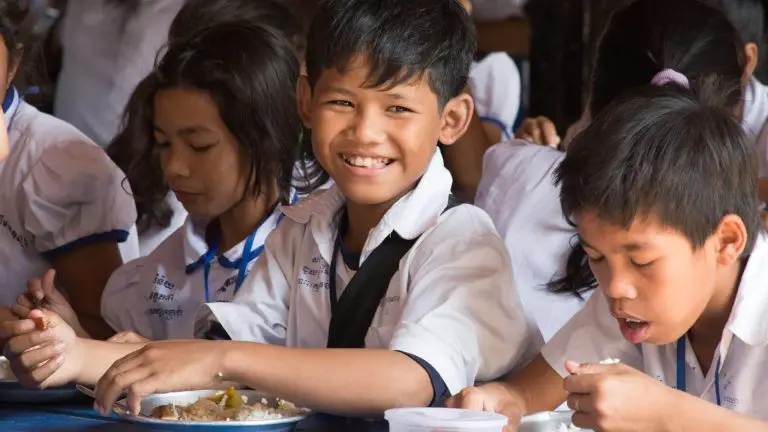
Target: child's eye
[
  {"x": 398, "y": 109},
  {"x": 595, "y": 259},
  {"x": 202, "y": 148},
  {"x": 160, "y": 145},
  {"x": 342, "y": 103},
  {"x": 642, "y": 265}
]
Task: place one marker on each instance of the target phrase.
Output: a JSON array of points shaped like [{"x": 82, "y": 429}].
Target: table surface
[{"x": 78, "y": 415}]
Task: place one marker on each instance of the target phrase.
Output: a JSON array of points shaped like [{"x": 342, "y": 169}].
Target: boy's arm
[
  {"x": 97, "y": 357},
  {"x": 324, "y": 378}
]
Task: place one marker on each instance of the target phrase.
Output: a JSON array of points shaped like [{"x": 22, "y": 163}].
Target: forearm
[
  {"x": 692, "y": 413},
  {"x": 98, "y": 356},
  {"x": 340, "y": 381},
  {"x": 536, "y": 388}
]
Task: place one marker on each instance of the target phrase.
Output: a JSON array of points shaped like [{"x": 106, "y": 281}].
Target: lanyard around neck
[{"x": 681, "y": 370}]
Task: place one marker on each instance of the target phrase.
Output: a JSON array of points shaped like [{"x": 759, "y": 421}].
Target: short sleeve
[
  {"x": 259, "y": 311},
  {"x": 463, "y": 316},
  {"x": 121, "y": 295},
  {"x": 75, "y": 195},
  {"x": 495, "y": 85},
  {"x": 590, "y": 336}
]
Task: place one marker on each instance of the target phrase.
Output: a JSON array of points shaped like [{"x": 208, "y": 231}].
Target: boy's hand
[
  {"x": 127, "y": 337},
  {"x": 617, "y": 397},
  {"x": 42, "y": 357},
  {"x": 539, "y": 130},
  {"x": 494, "y": 397},
  {"x": 42, "y": 294},
  {"x": 160, "y": 367}
]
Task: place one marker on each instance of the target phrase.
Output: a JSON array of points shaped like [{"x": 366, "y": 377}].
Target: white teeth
[
  {"x": 632, "y": 320},
  {"x": 366, "y": 162}
]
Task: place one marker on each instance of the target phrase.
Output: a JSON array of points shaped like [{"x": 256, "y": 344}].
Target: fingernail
[
  {"x": 59, "y": 347},
  {"x": 96, "y": 407},
  {"x": 60, "y": 359}
]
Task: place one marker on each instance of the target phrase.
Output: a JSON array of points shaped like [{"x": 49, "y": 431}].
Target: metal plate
[
  {"x": 12, "y": 392},
  {"x": 548, "y": 421},
  {"x": 285, "y": 424}
]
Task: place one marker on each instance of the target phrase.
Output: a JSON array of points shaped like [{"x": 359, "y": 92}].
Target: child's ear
[
  {"x": 456, "y": 117},
  {"x": 304, "y": 101},
  {"x": 751, "y": 58},
  {"x": 731, "y": 235}
]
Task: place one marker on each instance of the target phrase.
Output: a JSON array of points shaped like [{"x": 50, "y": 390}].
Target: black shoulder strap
[{"x": 353, "y": 313}]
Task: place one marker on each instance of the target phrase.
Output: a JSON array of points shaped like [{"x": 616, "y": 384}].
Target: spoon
[{"x": 119, "y": 406}]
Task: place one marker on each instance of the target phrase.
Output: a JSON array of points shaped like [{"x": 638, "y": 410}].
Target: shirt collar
[
  {"x": 410, "y": 216},
  {"x": 196, "y": 248},
  {"x": 749, "y": 317}
]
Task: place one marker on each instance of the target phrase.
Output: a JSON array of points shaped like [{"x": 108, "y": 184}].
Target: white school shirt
[
  {"x": 57, "y": 190},
  {"x": 755, "y": 119},
  {"x": 495, "y": 85},
  {"x": 107, "y": 50},
  {"x": 159, "y": 295},
  {"x": 593, "y": 334},
  {"x": 150, "y": 239},
  {"x": 517, "y": 190},
  {"x": 451, "y": 302}
]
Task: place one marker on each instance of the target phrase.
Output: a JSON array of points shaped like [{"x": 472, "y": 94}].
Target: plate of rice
[
  {"x": 549, "y": 421},
  {"x": 215, "y": 408}
]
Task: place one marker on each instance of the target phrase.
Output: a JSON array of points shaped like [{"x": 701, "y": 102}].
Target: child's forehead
[{"x": 641, "y": 229}]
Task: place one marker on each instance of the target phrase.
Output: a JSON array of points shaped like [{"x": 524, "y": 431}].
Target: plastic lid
[{"x": 445, "y": 417}]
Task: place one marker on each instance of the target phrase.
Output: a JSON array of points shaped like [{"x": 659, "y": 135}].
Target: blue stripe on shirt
[
  {"x": 118, "y": 236},
  {"x": 439, "y": 388}
]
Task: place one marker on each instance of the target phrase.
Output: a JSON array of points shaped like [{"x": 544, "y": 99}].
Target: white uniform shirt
[
  {"x": 150, "y": 239},
  {"x": 159, "y": 295},
  {"x": 451, "y": 302},
  {"x": 518, "y": 192},
  {"x": 57, "y": 190},
  {"x": 495, "y": 85},
  {"x": 593, "y": 334},
  {"x": 107, "y": 50}
]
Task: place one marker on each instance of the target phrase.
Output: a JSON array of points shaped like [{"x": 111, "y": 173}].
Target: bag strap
[{"x": 352, "y": 314}]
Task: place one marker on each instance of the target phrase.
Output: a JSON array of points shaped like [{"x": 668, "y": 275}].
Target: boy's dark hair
[
  {"x": 667, "y": 152},
  {"x": 647, "y": 36},
  {"x": 252, "y": 81},
  {"x": 197, "y": 15},
  {"x": 400, "y": 39}
]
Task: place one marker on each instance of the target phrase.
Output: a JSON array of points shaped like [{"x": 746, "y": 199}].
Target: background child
[
  {"x": 159, "y": 212},
  {"x": 175, "y": 117},
  {"x": 377, "y": 105},
  {"x": 517, "y": 189},
  {"x": 681, "y": 271},
  {"x": 62, "y": 204}
]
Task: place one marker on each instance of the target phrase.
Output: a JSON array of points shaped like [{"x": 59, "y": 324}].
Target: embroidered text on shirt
[
  {"x": 166, "y": 314},
  {"x": 161, "y": 281},
  {"x": 315, "y": 277},
  {"x": 15, "y": 235}
]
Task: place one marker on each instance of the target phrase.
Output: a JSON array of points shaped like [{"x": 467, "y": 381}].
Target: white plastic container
[{"x": 443, "y": 420}]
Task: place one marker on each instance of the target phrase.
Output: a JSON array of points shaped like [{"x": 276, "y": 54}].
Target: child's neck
[
  {"x": 362, "y": 219},
  {"x": 237, "y": 223},
  {"x": 707, "y": 331}
]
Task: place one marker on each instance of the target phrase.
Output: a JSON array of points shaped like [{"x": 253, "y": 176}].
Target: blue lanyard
[
  {"x": 241, "y": 265},
  {"x": 681, "y": 370},
  {"x": 11, "y": 98}
]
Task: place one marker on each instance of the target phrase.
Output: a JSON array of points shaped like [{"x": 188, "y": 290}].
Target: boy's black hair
[
  {"x": 667, "y": 152},
  {"x": 647, "y": 36},
  {"x": 400, "y": 39},
  {"x": 197, "y": 15},
  {"x": 252, "y": 80}
]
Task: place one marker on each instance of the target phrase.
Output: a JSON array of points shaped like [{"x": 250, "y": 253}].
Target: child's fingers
[
  {"x": 38, "y": 376},
  {"x": 12, "y": 329},
  {"x": 48, "y": 284},
  {"x": 548, "y": 132},
  {"x": 18, "y": 344},
  {"x": 34, "y": 358}
]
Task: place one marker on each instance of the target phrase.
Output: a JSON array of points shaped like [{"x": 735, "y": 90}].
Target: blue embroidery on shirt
[
  {"x": 157, "y": 297},
  {"x": 162, "y": 281},
  {"x": 315, "y": 277},
  {"x": 17, "y": 236},
  {"x": 230, "y": 282},
  {"x": 166, "y": 314}
]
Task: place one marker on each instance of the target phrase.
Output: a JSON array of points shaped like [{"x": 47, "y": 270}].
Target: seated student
[
  {"x": 517, "y": 188},
  {"x": 661, "y": 187},
  {"x": 494, "y": 83},
  {"x": 160, "y": 213},
  {"x": 383, "y": 260},
  {"x": 176, "y": 116},
  {"x": 748, "y": 16},
  {"x": 62, "y": 203}
]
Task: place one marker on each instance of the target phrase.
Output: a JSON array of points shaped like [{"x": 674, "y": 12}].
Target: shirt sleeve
[
  {"x": 463, "y": 316},
  {"x": 590, "y": 336},
  {"x": 74, "y": 195},
  {"x": 120, "y": 297},
  {"x": 495, "y": 85},
  {"x": 259, "y": 311}
]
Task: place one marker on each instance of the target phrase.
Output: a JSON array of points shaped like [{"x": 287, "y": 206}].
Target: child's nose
[{"x": 369, "y": 128}]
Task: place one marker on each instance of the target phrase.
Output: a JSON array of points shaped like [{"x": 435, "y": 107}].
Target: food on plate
[
  {"x": 227, "y": 405},
  {"x": 5, "y": 370}
]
